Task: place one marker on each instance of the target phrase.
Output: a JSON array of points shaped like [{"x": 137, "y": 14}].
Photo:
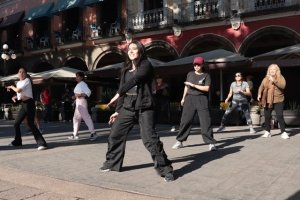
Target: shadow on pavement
[{"x": 195, "y": 161}]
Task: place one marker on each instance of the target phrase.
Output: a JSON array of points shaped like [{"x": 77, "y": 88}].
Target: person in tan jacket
[{"x": 271, "y": 96}]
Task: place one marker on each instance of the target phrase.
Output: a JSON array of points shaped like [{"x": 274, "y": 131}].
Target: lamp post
[{"x": 6, "y": 55}]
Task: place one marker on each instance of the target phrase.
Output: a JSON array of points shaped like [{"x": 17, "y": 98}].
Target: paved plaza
[{"x": 245, "y": 166}]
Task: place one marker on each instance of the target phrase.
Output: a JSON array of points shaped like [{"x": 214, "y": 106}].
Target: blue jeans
[{"x": 243, "y": 106}]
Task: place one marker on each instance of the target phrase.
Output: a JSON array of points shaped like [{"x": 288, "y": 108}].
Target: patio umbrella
[
  {"x": 112, "y": 70},
  {"x": 284, "y": 57},
  {"x": 215, "y": 59},
  {"x": 58, "y": 73},
  {"x": 10, "y": 78}
]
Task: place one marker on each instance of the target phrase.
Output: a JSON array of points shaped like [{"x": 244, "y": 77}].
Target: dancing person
[
  {"x": 195, "y": 99},
  {"x": 271, "y": 97},
  {"x": 134, "y": 100},
  {"x": 81, "y": 92},
  {"x": 24, "y": 92},
  {"x": 239, "y": 91}
]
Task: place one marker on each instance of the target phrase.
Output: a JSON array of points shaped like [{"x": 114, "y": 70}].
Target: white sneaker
[
  {"x": 212, "y": 147},
  {"x": 40, "y": 148},
  {"x": 173, "y": 129},
  {"x": 177, "y": 145},
  {"x": 285, "y": 135},
  {"x": 252, "y": 131},
  {"x": 73, "y": 137},
  {"x": 267, "y": 134}
]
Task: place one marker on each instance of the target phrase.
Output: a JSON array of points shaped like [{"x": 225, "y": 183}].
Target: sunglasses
[{"x": 238, "y": 75}]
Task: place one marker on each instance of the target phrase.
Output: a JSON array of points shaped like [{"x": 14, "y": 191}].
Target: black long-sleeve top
[{"x": 143, "y": 80}]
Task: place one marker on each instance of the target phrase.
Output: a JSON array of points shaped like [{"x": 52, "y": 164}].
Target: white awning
[{"x": 58, "y": 73}]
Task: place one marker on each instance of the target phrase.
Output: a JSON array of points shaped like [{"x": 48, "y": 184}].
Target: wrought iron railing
[
  {"x": 150, "y": 19},
  {"x": 204, "y": 9},
  {"x": 270, "y": 4}
]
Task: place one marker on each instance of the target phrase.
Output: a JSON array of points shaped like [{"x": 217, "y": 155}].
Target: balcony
[
  {"x": 273, "y": 4},
  {"x": 157, "y": 18},
  {"x": 198, "y": 10}
]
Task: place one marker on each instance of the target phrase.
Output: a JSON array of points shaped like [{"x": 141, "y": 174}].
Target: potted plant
[
  {"x": 255, "y": 113},
  {"x": 292, "y": 113}
]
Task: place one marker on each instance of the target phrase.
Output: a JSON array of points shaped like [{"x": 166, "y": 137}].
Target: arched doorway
[{"x": 76, "y": 63}]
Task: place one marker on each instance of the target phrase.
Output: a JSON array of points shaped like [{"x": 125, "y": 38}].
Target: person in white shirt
[
  {"x": 27, "y": 110},
  {"x": 81, "y": 92}
]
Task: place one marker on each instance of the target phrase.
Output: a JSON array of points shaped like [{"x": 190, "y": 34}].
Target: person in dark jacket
[{"x": 134, "y": 100}]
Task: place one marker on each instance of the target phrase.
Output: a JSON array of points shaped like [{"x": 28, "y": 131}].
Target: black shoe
[
  {"x": 220, "y": 129},
  {"x": 93, "y": 136},
  {"x": 105, "y": 169},
  {"x": 15, "y": 144},
  {"x": 169, "y": 177}
]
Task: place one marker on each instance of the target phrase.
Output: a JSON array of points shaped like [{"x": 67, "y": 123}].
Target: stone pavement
[{"x": 245, "y": 166}]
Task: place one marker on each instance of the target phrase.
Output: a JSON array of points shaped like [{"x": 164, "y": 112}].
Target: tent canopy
[
  {"x": 11, "y": 78},
  {"x": 284, "y": 57},
  {"x": 214, "y": 56},
  {"x": 113, "y": 70},
  {"x": 280, "y": 53},
  {"x": 218, "y": 58},
  {"x": 58, "y": 73}
]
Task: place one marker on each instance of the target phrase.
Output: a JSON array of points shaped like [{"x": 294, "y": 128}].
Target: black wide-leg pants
[
  {"x": 28, "y": 110},
  {"x": 117, "y": 140},
  {"x": 193, "y": 104}
]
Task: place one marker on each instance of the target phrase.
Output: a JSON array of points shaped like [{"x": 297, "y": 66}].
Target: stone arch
[
  {"x": 76, "y": 63},
  {"x": 41, "y": 66},
  {"x": 268, "y": 39},
  {"x": 108, "y": 57},
  {"x": 207, "y": 42},
  {"x": 161, "y": 50}
]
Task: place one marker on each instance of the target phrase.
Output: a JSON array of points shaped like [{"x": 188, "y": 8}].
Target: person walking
[
  {"x": 67, "y": 108},
  {"x": 134, "y": 101},
  {"x": 81, "y": 93},
  {"x": 46, "y": 101},
  {"x": 24, "y": 92},
  {"x": 239, "y": 91},
  {"x": 162, "y": 102},
  {"x": 271, "y": 97},
  {"x": 195, "y": 99}
]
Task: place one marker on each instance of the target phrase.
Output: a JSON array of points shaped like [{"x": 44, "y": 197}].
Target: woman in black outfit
[
  {"x": 135, "y": 101},
  {"x": 25, "y": 95}
]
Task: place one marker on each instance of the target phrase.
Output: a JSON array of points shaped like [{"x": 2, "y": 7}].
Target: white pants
[{"x": 81, "y": 112}]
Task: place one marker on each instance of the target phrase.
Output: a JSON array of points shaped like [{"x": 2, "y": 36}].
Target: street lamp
[{"x": 7, "y": 54}]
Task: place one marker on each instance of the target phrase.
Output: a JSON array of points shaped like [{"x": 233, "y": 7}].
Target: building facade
[{"x": 91, "y": 34}]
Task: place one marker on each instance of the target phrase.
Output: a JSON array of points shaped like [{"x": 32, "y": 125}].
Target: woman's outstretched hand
[{"x": 113, "y": 101}]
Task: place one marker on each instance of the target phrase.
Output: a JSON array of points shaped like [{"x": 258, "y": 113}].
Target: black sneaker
[
  {"x": 15, "y": 144},
  {"x": 169, "y": 177},
  {"x": 105, "y": 169},
  {"x": 220, "y": 129},
  {"x": 93, "y": 136}
]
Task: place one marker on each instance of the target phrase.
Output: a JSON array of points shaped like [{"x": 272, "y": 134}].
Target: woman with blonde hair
[{"x": 271, "y": 97}]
